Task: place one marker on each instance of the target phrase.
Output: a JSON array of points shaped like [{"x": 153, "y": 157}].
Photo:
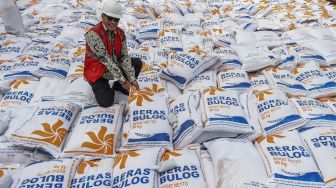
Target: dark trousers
[{"x": 104, "y": 94}]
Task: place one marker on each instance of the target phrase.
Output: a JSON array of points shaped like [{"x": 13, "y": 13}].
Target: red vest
[{"x": 93, "y": 68}]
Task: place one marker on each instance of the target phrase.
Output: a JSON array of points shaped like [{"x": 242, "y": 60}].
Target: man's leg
[
  {"x": 137, "y": 64},
  {"x": 104, "y": 94}
]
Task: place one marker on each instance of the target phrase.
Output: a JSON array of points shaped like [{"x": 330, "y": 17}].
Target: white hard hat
[{"x": 112, "y": 8}]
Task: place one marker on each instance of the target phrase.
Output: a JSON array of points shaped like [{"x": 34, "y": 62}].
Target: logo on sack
[
  {"x": 155, "y": 88},
  {"x": 163, "y": 32},
  {"x": 212, "y": 90},
  {"x": 54, "y": 134},
  {"x": 122, "y": 158},
  {"x": 196, "y": 50},
  {"x": 139, "y": 96},
  {"x": 80, "y": 69},
  {"x": 17, "y": 83},
  {"x": 1, "y": 173},
  {"x": 272, "y": 69},
  {"x": 138, "y": 10},
  {"x": 102, "y": 143},
  {"x": 80, "y": 51},
  {"x": 7, "y": 43},
  {"x": 270, "y": 139},
  {"x": 169, "y": 154},
  {"x": 327, "y": 100},
  {"x": 26, "y": 58},
  {"x": 81, "y": 168},
  {"x": 146, "y": 67},
  {"x": 261, "y": 94},
  {"x": 59, "y": 46}
]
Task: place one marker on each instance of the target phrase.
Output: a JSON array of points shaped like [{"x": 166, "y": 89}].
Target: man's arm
[
  {"x": 99, "y": 50},
  {"x": 126, "y": 62}
]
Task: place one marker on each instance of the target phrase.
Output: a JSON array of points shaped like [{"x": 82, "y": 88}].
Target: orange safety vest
[{"x": 93, "y": 68}]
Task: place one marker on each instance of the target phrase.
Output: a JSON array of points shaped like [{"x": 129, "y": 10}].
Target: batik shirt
[{"x": 112, "y": 64}]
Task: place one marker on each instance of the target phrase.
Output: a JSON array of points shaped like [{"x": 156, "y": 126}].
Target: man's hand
[
  {"x": 135, "y": 84},
  {"x": 126, "y": 85}
]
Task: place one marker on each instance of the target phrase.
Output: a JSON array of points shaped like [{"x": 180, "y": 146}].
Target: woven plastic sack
[
  {"x": 45, "y": 36},
  {"x": 182, "y": 67},
  {"x": 317, "y": 112},
  {"x": 38, "y": 49},
  {"x": 330, "y": 72},
  {"x": 287, "y": 161},
  {"x": 274, "y": 112},
  {"x": 97, "y": 130},
  {"x": 76, "y": 68},
  {"x": 287, "y": 60},
  {"x": 149, "y": 30},
  {"x": 222, "y": 111},
  {"x": 94, "y": 173},
  {"x": 49, "y": 89},
  {"x": 208, "y": 169},
  {"x": 228, "y": 58},
  {"x": 187, "y": 173},
  {"x": 331, "y": 102},
  {"x": 170, "y": 40},
  {"x": 233, "y": 79},
  {"x": 230, "y": 158},
  {"x": 53, "y": 173},
  {"x": 79, "y": 92},
  {"x": 172, "y": 90},
  {"x": 6, "y": 171},
  {"x": 149, "y": 79},
  {"x": 88, "y": 19},
  {"x": 23, "y": 67},
  {"x": 187, "y": 123},
  {"x": 56, "y": 66},
  {"x": 283, "y": 79},
  {"x": 137, "y": 168},
  {"x": 47, "y": 128},
  {"x": 205, "y": 79},
  {"x": 304, "y": 54},
  {"x": 10, "y": 49},
  {"x": 20, "y": 94},
  {"x": 253, "y": 58},
  {"x": 145, "y": 54},
  {"x": 315, "y": 80},
  {"x": 259, "y": 82},
  {"x": 71, "y": 35},
  {"x": 147, "y": 125},
  {"x": 269, "y": 39},
  {"x": 326, "y": 49},
  {"x": 321, "y": 144}
]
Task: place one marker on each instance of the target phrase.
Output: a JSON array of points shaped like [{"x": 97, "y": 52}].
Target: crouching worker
[{"x": 107, "y": 58}]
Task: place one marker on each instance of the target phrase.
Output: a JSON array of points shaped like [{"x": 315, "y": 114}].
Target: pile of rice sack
[{"x": 233, "y": 94}]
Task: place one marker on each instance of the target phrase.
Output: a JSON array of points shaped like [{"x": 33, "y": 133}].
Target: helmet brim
[{"x": 112, "y": 15}]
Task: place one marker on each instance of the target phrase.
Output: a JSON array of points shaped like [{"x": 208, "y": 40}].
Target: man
[{"x": 107, "y": 58}]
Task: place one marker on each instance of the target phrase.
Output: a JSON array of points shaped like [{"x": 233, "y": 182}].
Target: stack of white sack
[
  {"x": 272, "y": 111},
  {"x": 222, "y": 114},
  {"x": 283, "y": 79},
  {"x": 317, "y": 112},
  {"x": 287, "y": 161},
  {"x": 320, "y": 140},
  {"x": 230, "y": 158},
  {"x": 185, "y": 119},
  {"x": 188, "y": 171},
  {"x": 314, "y": 80},
  {"x": 146, "y": 124},
  {"x": 98, "y": 129}
]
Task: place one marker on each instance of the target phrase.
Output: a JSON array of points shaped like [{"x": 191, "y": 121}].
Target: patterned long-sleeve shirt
[{"x": 113, "y": 65}]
